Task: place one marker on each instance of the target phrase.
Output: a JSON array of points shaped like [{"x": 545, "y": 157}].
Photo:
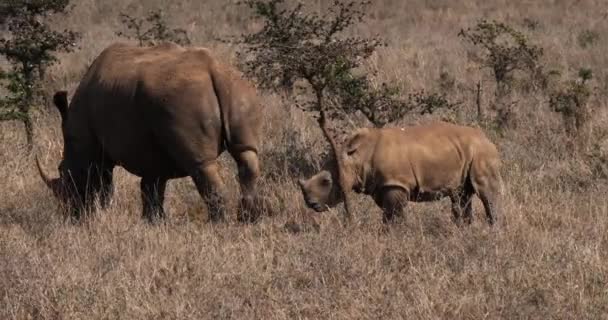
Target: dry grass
[{"x": 547, "y": 259}]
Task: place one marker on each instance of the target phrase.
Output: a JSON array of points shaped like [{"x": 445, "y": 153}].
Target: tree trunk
[
  {"x": 29, "y": 131},
  {"x": 334, "y": 148},
  {"x": 478, "y": 101},
  {"x": 504, "y": 118},
  {"x": 26, "y": 103}
]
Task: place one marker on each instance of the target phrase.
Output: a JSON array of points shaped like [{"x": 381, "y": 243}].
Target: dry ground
[{"x": 546, "y": 259}]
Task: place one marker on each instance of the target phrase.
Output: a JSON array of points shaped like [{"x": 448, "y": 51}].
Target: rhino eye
[{"x": 326, "y": 182}]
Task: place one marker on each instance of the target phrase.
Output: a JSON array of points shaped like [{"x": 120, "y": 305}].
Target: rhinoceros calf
[
  {"x": 160, "y": 112},
  {"x": 417, "y": 163}
]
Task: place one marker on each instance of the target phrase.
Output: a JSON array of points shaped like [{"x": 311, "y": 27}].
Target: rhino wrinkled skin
[
  {"x": 160, "y": 112},
  {"x": 418, "y": 163}
]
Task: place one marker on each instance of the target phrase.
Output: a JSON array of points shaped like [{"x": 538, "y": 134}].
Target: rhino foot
[{"x": 251, "y": 209}]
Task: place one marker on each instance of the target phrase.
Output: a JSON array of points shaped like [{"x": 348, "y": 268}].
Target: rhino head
[
  {"x": 321, "y": 191},
  {"x": 59, "y": 186}
]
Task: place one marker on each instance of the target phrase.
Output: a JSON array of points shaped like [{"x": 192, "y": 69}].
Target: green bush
[
  {"x": 29, "y": 46},
  {"x": 296, "y": 45}
]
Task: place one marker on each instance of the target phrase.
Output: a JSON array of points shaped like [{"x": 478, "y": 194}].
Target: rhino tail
[{"x": 221, "y": 87}]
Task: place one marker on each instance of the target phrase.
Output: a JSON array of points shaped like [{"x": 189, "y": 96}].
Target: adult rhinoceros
[
  {"x": 417, "y": 163},
  {"x": 160, "y": 112}
]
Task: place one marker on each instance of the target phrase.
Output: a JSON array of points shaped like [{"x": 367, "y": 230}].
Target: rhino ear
[
  {"x": 301, "y": 183},
  {"x": 60, "y": 99}
]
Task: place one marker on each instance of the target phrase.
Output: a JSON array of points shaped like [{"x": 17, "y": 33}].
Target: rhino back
[
  {"x": 154, "y": 110},
  {"x": 427, "y": 158}
]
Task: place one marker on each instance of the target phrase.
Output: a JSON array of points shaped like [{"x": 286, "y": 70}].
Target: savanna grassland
[{"x": 546, "y": 259}]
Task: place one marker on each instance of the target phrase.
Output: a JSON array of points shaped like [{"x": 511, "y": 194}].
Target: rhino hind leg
[
  {"x": 248, "y": 174},
  {"x": 393, "y": 201},
  {"x": 212, "y": 189},
  {"x": 153, "y": 196}
]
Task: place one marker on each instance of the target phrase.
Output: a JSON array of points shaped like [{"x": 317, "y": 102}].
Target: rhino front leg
[
  {"x": 211, "y": 188},
  {"x": 489, "y": 199},
  {"x": 462, "y": 206},
  {"x": 248, "y": 174},
  {"x": 488, "y": 192},
  {"x": 107, "y": 187},
  {"x": 393, "y": 202},
  {"x": 153, "y": 197}
]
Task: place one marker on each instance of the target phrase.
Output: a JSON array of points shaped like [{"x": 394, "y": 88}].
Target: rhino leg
[
  {"x": 487, "y": 191},
  {"x": 248, "y": 173},
  {"x": 456, "y": 210},
  {"x": 153, "y": 197},
  {"x": 211, "y": 188},
  {"x": 99, "y": 186},
  {"x": 82, "y": 188},
  {"x": 462, "y": 205},
  {"x": 485, "y": 177},
  {"x": 489, "y": 199},
  {"x": 467, "y": 202},
  {"x": 106, "y": 187},
  {"x": 393, "y": 201}
]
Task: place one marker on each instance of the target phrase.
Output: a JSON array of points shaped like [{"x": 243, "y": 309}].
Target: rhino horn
[{"x": 51, "y": 183}]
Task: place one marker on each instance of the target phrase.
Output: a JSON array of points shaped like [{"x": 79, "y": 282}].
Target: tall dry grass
[{"x": 546, "y": 259}]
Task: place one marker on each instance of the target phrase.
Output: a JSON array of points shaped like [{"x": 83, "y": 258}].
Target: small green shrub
[
  {"x": 152, "y": 29},
  {"x": 296, "y": 45}
]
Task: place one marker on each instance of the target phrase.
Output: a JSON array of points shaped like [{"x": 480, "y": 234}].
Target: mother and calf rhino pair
[{"x": 167, "y": 112}]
